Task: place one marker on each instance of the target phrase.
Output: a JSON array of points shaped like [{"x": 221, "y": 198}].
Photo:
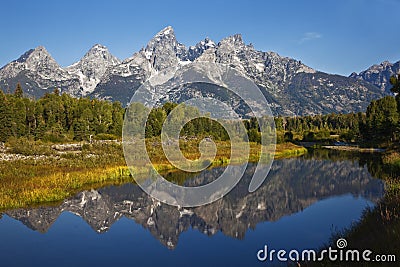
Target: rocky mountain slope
[
  {"x": 92, "y": 67},
  {"x": 379, "y": 75},
  {"x": 291, "y": 87},
  {"x": 38, "y": 72}
]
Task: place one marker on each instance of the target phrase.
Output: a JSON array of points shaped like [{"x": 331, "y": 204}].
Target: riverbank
[
  {"x": 340, "y": 146},
  {"x": 40, "y": 174},
  {"x": 356, "y": 149},
  {"x": 378, "y": 230}
]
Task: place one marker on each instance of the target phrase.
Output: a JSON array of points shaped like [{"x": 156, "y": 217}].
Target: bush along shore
[{"x": 35, "y": 172}]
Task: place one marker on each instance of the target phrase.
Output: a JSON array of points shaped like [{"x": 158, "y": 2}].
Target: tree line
[
  {"x": 379, "y": 125},
  {"x": 155, "y": 118},
  {"x": 59, "y": 117}
]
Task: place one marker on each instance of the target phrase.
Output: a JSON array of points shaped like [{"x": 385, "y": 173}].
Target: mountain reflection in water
[{"x": 291, "y": 186}]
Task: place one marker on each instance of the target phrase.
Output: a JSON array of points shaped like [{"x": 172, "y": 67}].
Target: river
[{"x": 301, "y": 204}]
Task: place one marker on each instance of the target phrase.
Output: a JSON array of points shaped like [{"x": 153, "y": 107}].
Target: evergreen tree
[
  {"x": 168, "y": 107},
  {"x": 381, "y": 121},
  {"x": 18, "y": 117},
  {"x": 254, "y": 135},
  {"x": 395, "y": 82},
  {"x": 5, "y": 118},
  {"x": 155, "y": 121},
  {"x": 18, "y": 91},
  {"x": 117, "y": 119},
  {"x": 30, "y": 116}
]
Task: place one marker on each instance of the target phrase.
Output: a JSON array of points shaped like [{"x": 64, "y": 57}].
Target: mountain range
[{"x": 291, "y": 87}]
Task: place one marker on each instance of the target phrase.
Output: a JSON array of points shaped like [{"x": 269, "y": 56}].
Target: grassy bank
[
  {"x": 379, "y": 228},
  {"x": 378, "y": 231},
  {"x": 392, "y": 159},
  {"x": 46, "y": 175},
  {"x": 286, "y": 150},
  {"x": 36, "y": 179}
]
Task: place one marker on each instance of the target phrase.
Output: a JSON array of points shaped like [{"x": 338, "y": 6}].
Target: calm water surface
[{"x": 300, "y": 205}]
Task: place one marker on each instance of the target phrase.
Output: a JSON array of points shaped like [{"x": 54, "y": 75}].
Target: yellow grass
[{"x": 24, "y": 183}]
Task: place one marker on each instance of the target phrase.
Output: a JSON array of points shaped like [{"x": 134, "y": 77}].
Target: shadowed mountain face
[{"x": 291, "y": 186}]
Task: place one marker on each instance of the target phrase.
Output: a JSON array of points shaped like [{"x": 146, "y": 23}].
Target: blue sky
[{"x": 335, "y": 36}]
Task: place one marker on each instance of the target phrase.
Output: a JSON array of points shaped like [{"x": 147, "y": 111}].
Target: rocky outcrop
[{"x": 379, "y": 75}]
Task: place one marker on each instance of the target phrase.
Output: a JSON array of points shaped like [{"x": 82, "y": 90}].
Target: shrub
[
  {"x": 55, "y": 138},
  {"x": 288, "y": 136},
  {"x": 28, "y": 147},
  {"x": 105, "y": 136},
  {"x": 254, "y": 136}
]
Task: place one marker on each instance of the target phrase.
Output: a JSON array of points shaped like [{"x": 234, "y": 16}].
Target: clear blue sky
[{"x": 336, "y": 36}]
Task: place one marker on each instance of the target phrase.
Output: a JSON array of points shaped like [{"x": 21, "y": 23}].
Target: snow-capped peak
[
  {"x": 166, "y": 31},
  {"x": 196, "y": 51},
  {"x": 208, "y": 43},
  {"x": 379, "y": 74},
  {"x": 35, "y": 60},
  {"x": 164, "y": 37},
  {"x": 38, "y": 58},
  {"x": 163, "y": 51},
  {"x": 99, "y": 47},
  {"x": 99, "y": 52},
  {"x": 38, "y": 50},
  {"x": 233, "y": 40},
  {"x": 91, "y": 68}
]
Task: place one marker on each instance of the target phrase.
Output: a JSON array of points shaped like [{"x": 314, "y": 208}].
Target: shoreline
[
  {"x": 53, "y": 178},
  {"x": 356, "y": 149}
]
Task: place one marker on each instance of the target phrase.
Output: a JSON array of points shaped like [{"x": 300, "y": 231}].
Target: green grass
[
  {"x": 286, "y": 150},
  {"x": 29, "y": 182},
  {"x": 392, "y": 158}
]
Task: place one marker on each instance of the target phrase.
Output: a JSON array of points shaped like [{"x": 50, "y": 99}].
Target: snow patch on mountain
[
  {"x": 291, "y": 87},
  {"x": 91, "y": 68}
]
